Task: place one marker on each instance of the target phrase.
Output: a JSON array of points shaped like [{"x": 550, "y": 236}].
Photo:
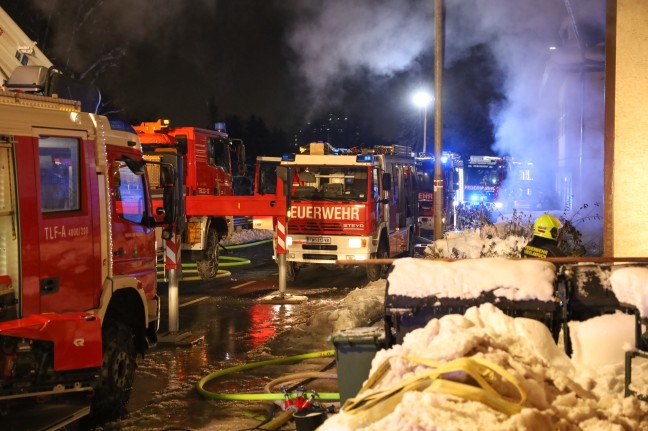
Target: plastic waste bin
[{"x": 354, "y": 350}]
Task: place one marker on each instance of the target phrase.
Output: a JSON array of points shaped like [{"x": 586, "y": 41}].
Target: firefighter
[{"x": 545, "y": 238}]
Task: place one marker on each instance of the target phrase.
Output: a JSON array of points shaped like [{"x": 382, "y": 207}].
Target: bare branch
[{"x": 110, "y": 59}]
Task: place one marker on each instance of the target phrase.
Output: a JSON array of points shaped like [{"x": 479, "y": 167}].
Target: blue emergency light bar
[
  {"x": 288, "y": 158},
  {"x": 120, "y": 124},
  {"x": 364, "y": 158}
]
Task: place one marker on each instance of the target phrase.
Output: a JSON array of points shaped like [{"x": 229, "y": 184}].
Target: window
[
  {"x": 59, "y": 174},
  {"x": 339, "y": 183},
  {"x": 218, "y": 153},
  {"x": 130, "y": 195},
  {"x": 267, "y": 177}
]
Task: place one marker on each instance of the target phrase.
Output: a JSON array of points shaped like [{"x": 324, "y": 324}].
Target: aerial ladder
[{"x": 16, "y": 49}]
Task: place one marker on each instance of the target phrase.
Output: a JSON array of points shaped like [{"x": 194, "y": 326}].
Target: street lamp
[{"x": 422, "y": 99}]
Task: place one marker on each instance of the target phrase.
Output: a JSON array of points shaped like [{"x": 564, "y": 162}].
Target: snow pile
[
  {"x": 557, "y": 397},
  {"x": 360, "y": 308},
  {"x": 512, "y": 279},
  {"x": 630, "y": 285},
  {"x": 473, "y": 244},
  {"x": 246, "y": 235},
  {"x": 587, "y": 337}
]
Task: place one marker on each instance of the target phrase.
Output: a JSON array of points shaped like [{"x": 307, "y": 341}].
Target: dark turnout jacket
[{"x": 542, "y": 247}]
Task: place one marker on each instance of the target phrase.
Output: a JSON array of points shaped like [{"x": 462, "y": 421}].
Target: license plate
[{"x": 318, "y": 240}]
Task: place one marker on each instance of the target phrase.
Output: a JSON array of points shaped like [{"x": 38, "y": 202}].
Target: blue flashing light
[
  {"x": 364, "y": 158},
  {"x": 444, "y": 159},
  {"x": 288, "y": 158},
  {"x": 120, "y": 124}
]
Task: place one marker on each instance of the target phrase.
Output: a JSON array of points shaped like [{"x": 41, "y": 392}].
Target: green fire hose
[{"x": 329, "y": 396}]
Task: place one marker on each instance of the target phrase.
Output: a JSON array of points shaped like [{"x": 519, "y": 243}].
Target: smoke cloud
[{"x": 336, "y": 39}]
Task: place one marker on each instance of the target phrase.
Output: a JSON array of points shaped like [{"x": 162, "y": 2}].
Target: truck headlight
[
  {"x": 288, "y": 241},
  {"x": 357, "y": 243}
]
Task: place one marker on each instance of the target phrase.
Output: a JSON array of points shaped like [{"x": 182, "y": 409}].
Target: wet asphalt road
[{"x": 234, "y": 326}]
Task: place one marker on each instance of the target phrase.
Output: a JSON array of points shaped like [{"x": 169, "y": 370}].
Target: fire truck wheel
[
  {"x": 208, "y": 266},
  {"x": 376, "y": 272},
  {"x": 117, "y": 372}
]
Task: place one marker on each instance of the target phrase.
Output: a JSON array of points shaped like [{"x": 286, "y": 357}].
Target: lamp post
[
  {"x": 422, "y": 99},
  {"x": 438, "y": 123}
]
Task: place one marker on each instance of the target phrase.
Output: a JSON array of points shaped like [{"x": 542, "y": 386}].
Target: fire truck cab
[
  {"x": 350, "y": 205},
  {"x": 78, "y": 295},
  {"x": 208, "y": 168}
]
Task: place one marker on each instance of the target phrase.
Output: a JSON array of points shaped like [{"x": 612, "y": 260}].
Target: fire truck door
[
  {"x": 395, "y": 198},
  {"x": 66, "y": 211},
  {"x": 132, "y": 253},
  {"x": 9, "y": 235}
]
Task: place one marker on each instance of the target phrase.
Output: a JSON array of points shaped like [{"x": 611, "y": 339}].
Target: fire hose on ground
[
  {"x": 230, "y": 261},
  {"x": 290, "y": 400}
]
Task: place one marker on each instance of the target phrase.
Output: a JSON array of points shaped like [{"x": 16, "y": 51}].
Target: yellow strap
[
  {"x": 474, "y": 393},
  {"x": 482, "y": 371}
]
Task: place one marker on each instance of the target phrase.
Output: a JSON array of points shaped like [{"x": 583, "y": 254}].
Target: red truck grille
[{"x": 315, "y": 227}]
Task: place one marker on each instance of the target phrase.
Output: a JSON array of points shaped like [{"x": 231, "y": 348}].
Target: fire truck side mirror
[
  {"x": 282, "y": 172},
  {"x": 135, "y": 166},
  {"x": 169, "y": 201}
]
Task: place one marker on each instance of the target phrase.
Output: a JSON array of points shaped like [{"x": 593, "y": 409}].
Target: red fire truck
[
  {"x": 78, "y": 295},
  {"x": 452, "y": 174},
  {"x": 208, "y": 170},
  {"x": 350, "y": 205},
  {"x": 483, "y": 179}
]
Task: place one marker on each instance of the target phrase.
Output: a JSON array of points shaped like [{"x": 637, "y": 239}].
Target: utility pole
[{"x": 438, "y": 123}]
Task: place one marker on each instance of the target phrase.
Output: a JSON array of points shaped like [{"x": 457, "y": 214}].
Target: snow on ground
[
  {"x": 558, "y": 396},
  {"x": 583, "y": 392},
  {"x": 361, "y": 307},
  {"x": 245, "y": 236}
]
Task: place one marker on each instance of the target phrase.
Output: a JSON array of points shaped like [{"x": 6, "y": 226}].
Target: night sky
[{"x": 291, "y": 61}]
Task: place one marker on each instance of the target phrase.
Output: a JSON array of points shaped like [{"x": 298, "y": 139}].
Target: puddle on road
[{"x": 165, "y": 395}]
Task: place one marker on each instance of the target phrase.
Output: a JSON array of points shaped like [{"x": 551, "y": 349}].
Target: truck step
[{"x": 44, "y": 417}]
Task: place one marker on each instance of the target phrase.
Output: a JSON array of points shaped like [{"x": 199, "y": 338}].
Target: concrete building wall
[{"x": 626, "y": 129}]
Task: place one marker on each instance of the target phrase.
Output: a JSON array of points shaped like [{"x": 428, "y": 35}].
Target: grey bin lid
[{"x": 361, "y": 335}]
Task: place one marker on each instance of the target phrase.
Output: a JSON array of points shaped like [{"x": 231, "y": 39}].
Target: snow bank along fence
[{"x": 578, "y": 291}]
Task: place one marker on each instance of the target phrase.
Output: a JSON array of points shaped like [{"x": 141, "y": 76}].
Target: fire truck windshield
[
  {"x": 330, "y": 183},
  {"x": 484, "y": 176}
]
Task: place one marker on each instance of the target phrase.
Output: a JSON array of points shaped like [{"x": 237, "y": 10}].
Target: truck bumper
[
  {"x": 76, "y": 337},
  {"x": 304, "y": 249}
]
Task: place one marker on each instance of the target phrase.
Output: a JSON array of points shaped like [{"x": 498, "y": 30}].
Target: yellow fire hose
[
  {"x": 231, "y": 261},
  {"x": 371, "y": 405},
  {"x": 285, "y": 416},
  {"x": 329, "y": 396}
]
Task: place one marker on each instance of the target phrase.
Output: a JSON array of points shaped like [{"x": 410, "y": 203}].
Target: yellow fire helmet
[{"x": 547, "y": 226}]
